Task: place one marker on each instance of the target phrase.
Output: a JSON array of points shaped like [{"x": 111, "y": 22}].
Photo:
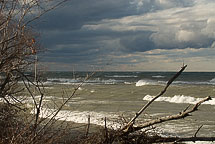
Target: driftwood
[
  {"x": 132, "y": 121},
  {"x": 130, "y": 128},
  {"x": 180, "y": 115}
]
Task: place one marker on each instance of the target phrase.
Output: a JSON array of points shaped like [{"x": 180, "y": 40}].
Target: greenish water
[{"x": 124, "y": 100}]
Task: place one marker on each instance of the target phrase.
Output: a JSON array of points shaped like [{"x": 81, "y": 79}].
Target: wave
[
  {"x": 127, "y": 83},
  {"x": 179, "y": 99},
  {"x": 82, "y": 117},
  {"x": 62, "y": 80},
  {"x": 195, "y": 82},
  {"x": 146, "y": 82},
  {"x": 212, "y": 80},
  {"x": 155, "y": 79},
  {"x": 109, "y": 81},
  {"x": 153, "y": 82},
  {"x": 158, "y": 76},
  {"x": 122, "y": 76},
  {"x": 77, "y": 81}
]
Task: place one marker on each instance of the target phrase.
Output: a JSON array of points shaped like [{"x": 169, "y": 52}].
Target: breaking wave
[
  {"x": 153, "y": 82},
  {"x": 212, "y": 80},
  {"x": 158, "y": 76},
  {"x": 146, "y": 82},
  {"x": 77, "y": 81},
  {"x": 179, "y": 99},
  {"x": 82, "y": 117},
  {"x": 195, "y": 82}
]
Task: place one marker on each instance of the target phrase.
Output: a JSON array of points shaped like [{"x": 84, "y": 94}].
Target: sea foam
[
  {"x": 179, "y": 99},
  {"x": 82, "y": 117},
  {"x": 212, "y": 80}
]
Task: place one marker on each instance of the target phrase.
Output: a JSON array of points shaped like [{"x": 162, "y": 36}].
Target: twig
[
  {"x": 198, "y": 130},
  {"x": 34, "y": 100},
  {"x": 39, "y": 106},
  {"x": 60, "y": 108},
  {"x": 14, "y": 105},
  {"x": 106, "y": 131},
  {"x": 88, "y": 126},
  {"x": 186, "y": 108},
  {"x": 44, "y": 12}
]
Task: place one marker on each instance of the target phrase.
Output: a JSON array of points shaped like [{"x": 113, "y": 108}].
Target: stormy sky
[{"x": 129, "y": 35}]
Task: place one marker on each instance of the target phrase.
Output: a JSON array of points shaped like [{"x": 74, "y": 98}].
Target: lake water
[{"x": 119, "y": 95}]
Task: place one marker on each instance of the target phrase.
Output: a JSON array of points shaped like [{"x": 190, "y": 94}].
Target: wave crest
[
  {"x": 179, "y": 99},
  {"x": 146, "y": 82},
  {"x": 212, "y": 80},
  {"x": 158, "y": 76},
  {"x": 82, "y": 117}
]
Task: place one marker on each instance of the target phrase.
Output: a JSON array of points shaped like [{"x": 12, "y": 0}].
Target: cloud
[
  {"x": 210, "y": 29},
  {"x": 132, "y": 32},
  {"x": 155, "y": 5},
  {"x": 178, "y": 27}
]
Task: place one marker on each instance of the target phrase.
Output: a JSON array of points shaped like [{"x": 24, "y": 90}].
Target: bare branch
[
  {"x": 44, "y": 12},
  {"x": 66, "y": 101},
  {"x": 180, "y": 115},
  {"x": 198, "y": 130},
  {"x": 132, "y": 121}
]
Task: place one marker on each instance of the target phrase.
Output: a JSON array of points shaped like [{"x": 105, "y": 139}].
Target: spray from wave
[
  {"x": 179, "y": 99},
  {"x": 148, "y": 82}
]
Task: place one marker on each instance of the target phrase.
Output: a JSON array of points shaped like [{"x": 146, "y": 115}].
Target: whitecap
[
  {"x": 79, "y": 88},
  {"x": 145, "y": 82},
  {"x": 180, "y": 99},
  {"x": 62, "y": 80},
  {"x": 195, "y": 82},
  {"x": 92, "y": 91},
  {"x": 212, "y": 80},
  {"x": 122, "y": 76},
  {"x": 128, "y": 83},
  {"x": 82, "y": 117},
  {"x": 158, "y": 76}
]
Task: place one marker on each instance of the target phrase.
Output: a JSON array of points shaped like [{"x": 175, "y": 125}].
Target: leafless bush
[{"x": 19, "y": 45}]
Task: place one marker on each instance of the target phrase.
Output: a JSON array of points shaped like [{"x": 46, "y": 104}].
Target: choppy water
[
  {"x": 121, "y": 94},
  {"x": 139, "y": 78}
]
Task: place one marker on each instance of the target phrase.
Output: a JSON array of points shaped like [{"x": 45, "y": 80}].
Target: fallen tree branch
[
  {"x": 180, "y": 115},
  {"x": 130, "y": 128},
  {"x": 132, "y": 121}
]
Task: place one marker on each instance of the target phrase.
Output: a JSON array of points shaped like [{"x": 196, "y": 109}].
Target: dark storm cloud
[
  {"x": 63, "y": 27},
  {"x": 74, "y": 13},
  {"x": 154, "y": 5},
  {"x": 138, "y": 42},
  {"x": 89, "y": 31}
]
